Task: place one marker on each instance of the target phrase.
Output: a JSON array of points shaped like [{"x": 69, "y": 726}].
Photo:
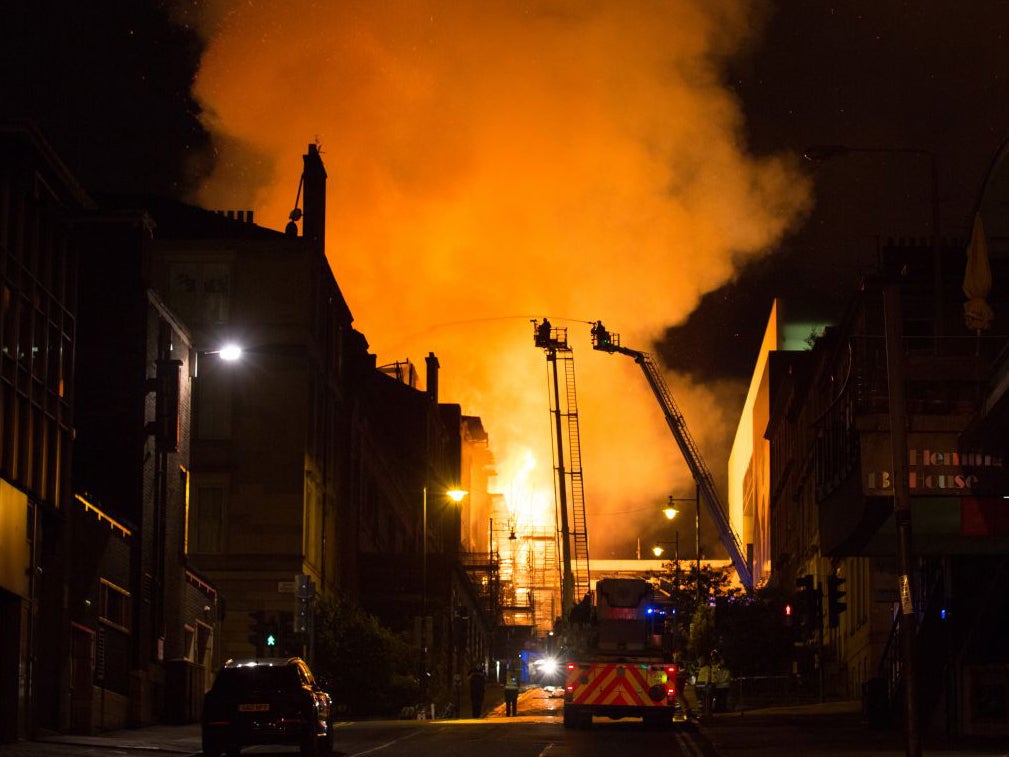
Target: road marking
[
  {"x": 380, "y": 747},
  {"x": 689, "y": 746},
  {"x": 554, "y": 750}
]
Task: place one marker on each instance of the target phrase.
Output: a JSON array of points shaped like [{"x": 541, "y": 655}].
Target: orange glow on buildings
[{"x": 495, "y": 162}]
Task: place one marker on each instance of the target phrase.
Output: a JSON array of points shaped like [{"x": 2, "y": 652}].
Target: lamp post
[
  {"x": 455, "y": 495},
  {"x": 671, "y": 512},
  {"x": 893, "y": 329},
  {"x": 657, "y": 550}
]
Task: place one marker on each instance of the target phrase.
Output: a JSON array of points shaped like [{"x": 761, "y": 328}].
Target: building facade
[
  {"x": 39, "y": 201},
  {"x": 831, "y": 414}
]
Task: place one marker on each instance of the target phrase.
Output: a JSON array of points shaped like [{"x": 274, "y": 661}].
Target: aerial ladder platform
[
  {"x": 606, "y": 341},
  {"x": 573, "y": 534}
]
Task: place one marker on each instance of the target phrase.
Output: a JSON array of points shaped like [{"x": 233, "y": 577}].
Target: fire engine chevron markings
[{"x": 620, "y": 686}]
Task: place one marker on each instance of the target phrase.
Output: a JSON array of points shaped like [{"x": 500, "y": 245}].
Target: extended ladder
[
  {"x": 607, "y": 342},
  {"x": 573, "y": 533}
]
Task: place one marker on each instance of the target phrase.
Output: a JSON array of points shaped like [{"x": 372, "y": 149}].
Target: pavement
[
  {"x": 843, "y": 721},
  {"x": 171, "y": 739}
]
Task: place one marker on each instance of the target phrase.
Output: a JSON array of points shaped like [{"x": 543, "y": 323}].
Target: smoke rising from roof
[{"x": 498, "y": 161}]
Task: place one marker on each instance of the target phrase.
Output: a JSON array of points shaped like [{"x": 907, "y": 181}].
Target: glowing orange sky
[{"x": 495, "y": 161}]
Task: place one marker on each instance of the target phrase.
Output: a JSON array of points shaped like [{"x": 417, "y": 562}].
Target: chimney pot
[
  {"x": 432, "y": 376},
  {"x": 313, "y": 223}
]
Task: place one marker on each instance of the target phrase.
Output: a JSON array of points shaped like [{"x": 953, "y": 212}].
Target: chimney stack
[
  {"x": 432, "y": 376},
  {"x": 314, "y": 222}
]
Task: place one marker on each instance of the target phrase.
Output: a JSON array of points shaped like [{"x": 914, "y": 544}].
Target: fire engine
[{"x": 616, "y": 664}]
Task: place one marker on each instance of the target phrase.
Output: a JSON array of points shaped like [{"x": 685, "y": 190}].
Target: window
[
  {"x": 113, "y": 605},
  {"x": 204, "y": 646},
  {"x": 189, "y": 645}
]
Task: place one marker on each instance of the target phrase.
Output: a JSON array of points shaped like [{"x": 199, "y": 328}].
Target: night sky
[{"x": 931, "y": 76}]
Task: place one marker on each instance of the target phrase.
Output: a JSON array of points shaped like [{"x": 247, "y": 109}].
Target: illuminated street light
[
  {"x": 657, "y": 550},
  {"x": 229, "y": 353},
  {"x": 671, "y": 512}
]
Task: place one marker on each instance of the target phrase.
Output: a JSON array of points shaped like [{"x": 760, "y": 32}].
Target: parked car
[{"x": 266, "y": 701}]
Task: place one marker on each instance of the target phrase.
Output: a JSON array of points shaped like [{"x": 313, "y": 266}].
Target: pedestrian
[
  {"x": 703, "y": 685},
  {"x": 721, "y": 678},
  {"x": 511, "y": 690},
  {"x": 682, "y": 674},
  {"x": 477, "y": 684}
]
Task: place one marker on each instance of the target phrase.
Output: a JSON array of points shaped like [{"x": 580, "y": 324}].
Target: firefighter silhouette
[
  {"x": 543, "y": 333},
  {"x": 600, "y": 334}
]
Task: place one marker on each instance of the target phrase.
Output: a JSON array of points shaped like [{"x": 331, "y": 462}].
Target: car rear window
[{"x": 256, "y": 678}]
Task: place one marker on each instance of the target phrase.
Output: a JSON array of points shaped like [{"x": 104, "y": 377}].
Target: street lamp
[
  {"x": 671, "y": 512},
  {"x": 657, "y": 550},
  {"x": 229, "y": 353},
  {"x": 454, "y": 495}
]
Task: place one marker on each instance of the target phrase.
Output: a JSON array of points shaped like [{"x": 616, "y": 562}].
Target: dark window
[{"x": 114, "y": 604}]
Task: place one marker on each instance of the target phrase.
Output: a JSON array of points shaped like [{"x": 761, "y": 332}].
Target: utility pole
[{"x": 901, "y": 505}]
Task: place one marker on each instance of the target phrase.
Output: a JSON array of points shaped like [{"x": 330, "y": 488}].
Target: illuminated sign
[{"x": 934, "y": 465}]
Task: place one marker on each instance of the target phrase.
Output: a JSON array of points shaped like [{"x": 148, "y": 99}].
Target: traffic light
[
  {"x": 288, "y": 642},
  {"x": 807, "y": 604},
  {"x": 304, "y": 591},
  {"x": 834, "y": 604},
  {"x": 273, "y": 634},
  {"x": 257, "y": 629}
]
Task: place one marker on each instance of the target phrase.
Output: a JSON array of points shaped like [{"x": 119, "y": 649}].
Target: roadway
[{"x": 831, "y": 730}]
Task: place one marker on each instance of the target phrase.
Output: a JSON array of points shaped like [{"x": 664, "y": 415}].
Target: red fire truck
[{"x": 616, "y": 665}]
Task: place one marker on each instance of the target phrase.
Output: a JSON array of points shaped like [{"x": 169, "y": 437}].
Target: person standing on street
[
  {"x": 477, "y": 684},
  {"x": 511, "y": 690},
  {"x": 703, "y": 685},
  {"x": 721, "y": 679}
]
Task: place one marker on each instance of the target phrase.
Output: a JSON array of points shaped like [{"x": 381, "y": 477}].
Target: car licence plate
[{"x": 253, "y": 708}]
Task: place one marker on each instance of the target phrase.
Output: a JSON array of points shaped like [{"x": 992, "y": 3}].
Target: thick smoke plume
[{"x": 491, "y": 162}]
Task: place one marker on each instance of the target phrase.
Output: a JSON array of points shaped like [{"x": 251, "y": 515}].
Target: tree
[
  {"x": 693, "y": 629},
  {"x": 727, "y": 619},
  {"x": 369, "y": 669}
]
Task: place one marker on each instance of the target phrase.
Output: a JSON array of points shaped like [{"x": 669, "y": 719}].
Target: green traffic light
[{"x": 271, "y": 640}]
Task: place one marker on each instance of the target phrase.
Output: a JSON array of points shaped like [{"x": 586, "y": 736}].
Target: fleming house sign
[{"x": 934, "y": 465}]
